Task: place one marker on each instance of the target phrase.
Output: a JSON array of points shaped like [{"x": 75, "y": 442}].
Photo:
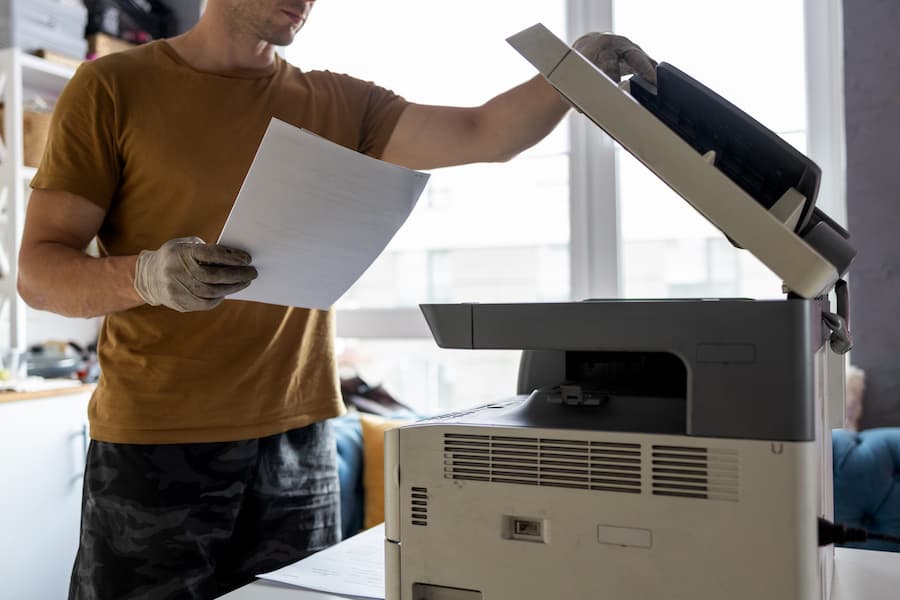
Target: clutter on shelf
[
  {"x": 61, "y": 359},
  {"x": 111, "y": 23},
  {"x": 68, "y": 31},
  {"x": 101, "y": 44},
  {"x": 51, "y": 26}
]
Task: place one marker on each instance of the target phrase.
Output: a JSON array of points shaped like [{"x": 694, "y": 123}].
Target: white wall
[{"x": 43, "y": 326}]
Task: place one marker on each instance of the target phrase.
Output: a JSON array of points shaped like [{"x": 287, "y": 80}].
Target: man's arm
[
  {"x": 428, "y": 137},
  {"x": 56, "y": 275}
]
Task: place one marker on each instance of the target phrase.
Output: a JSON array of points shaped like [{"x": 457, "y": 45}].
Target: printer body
[
  {"x": 655, "y": 449},
  {"x": 669, "y": 450}
]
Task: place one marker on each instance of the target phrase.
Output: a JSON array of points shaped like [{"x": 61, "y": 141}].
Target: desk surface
[
  {"x": 75, "y": 388},
  {"x": 859, "y": 575}
]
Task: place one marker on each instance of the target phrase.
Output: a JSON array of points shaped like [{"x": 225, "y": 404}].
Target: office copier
[{"x": 657, "y": 450}]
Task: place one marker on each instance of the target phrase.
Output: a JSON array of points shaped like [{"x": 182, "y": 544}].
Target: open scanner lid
[{"x": 748, "y": 182}]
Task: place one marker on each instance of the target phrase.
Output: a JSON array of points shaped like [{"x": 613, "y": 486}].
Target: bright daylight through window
[
  {"x": 500, "y": 232},
  {"x": 496, "y": 232},
  {"x": 667, "y": 249}
]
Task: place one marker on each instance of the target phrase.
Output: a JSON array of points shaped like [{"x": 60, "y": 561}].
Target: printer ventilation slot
[
  {"x": 577, "y": 464},
  {"x": 418, "y": 506},
  {"x": 691, "y": 472}
]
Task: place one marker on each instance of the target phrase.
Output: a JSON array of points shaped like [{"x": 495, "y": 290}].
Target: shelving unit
[{"x": 20, "y": 74}]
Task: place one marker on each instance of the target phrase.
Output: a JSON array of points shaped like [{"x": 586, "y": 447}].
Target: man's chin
[
  {"x": 281, "y": 37},
  {"x": 283, "y": 40}
]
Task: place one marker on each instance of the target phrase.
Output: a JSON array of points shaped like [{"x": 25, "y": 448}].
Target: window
[
  {"x": 752, "y": 53},
  {"x": 480, "y": 233},
  {"x": 574, "y": 217}
]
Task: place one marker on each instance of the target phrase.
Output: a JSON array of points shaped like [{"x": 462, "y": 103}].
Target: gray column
[{"x": 872, "y": 88}]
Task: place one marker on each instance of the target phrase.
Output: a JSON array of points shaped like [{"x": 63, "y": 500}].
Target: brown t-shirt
[{"x": 163, "y": 148}]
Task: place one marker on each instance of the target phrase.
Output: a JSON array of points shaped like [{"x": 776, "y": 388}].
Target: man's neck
[{"x": 211, "y": 45}]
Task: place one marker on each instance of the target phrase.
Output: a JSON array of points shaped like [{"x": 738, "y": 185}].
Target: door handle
[{"x": 85, "y": 443}]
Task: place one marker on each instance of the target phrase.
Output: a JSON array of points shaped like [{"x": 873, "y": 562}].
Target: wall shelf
[{"x": 40, "y": 74}]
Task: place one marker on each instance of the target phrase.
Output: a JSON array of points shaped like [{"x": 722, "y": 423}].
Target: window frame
[{"x": 595, "y": 241}]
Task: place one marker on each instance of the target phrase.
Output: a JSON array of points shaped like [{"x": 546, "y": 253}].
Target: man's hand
[
  {"x": 616, "y": 56},
  {"x": 186, "y": 274}
]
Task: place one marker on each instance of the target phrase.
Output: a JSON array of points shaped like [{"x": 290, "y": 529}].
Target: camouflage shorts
[{"x": 193, "y": 521}]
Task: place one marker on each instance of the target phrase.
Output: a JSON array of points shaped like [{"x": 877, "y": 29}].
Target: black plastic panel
[{"x": 751, "y": 155}]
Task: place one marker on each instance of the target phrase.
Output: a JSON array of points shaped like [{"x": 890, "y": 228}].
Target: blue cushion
[
  {"x": 867, "y": 482},
  {"x": 348, "y": 436}
]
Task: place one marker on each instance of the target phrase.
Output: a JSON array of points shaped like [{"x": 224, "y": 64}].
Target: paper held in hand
[{"x": 314, "y": 215}]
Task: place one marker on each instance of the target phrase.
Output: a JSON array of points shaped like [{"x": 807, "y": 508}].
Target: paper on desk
[
  {"x": 314, "y": 215},
  {"x": 354, "y": 568}
]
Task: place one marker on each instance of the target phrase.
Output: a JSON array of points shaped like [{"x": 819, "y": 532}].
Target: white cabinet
[{"x": 43, "y": 445}]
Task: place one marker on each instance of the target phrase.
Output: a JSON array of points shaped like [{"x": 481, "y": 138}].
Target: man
[{"x": 210, "y": 460}]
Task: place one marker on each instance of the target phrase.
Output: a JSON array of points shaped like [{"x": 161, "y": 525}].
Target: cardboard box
[
  {"x": 59, "y": 59},
  {"x": 100, "y": 44},
  {"x": 35, "y": 130}
]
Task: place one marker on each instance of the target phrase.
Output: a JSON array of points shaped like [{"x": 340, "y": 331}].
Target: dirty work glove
[
  {"x": 616, "y": 56},
  {"x": 186, "y": 274}
]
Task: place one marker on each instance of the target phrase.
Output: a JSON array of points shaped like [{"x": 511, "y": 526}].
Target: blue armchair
[{"x": 867, "y": 482}]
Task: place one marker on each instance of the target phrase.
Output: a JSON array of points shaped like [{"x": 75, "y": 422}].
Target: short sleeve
[
  {"x": 81, "y": 155},
  {"x": 381, "y": 109}
]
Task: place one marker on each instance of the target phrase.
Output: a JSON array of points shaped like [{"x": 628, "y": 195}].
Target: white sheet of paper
[
  {"x": 354, "y": 568},
  {"x": 314, "y": 215}
]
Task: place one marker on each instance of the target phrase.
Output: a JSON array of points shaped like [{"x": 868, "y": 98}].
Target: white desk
[
  {"x": 264, "y": 590},
  {"x": 865, "y": 575},
  {"x": 859, "y": 575}
]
